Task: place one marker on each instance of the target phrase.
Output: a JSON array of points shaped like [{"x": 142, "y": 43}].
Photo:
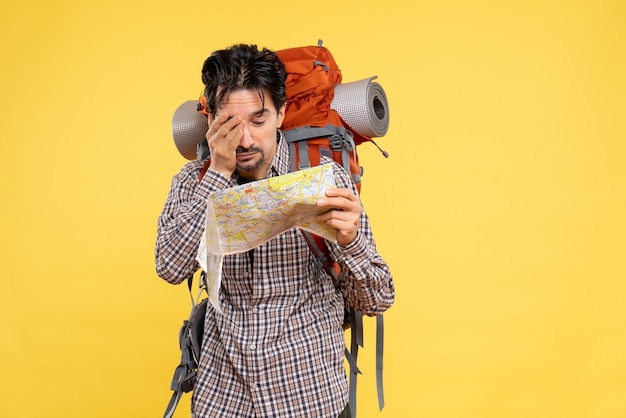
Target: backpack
[
  {"x": 313, "y": 126},
  {"x": 322, "y": 117}
]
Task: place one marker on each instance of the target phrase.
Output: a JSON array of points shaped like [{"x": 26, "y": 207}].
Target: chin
[{"x": 249, "y": 165}]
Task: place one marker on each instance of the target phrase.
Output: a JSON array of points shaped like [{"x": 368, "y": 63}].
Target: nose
[{"x": 246, "y": 140}]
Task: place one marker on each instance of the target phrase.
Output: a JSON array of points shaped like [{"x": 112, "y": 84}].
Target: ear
[{"x": 281, "y": 115}]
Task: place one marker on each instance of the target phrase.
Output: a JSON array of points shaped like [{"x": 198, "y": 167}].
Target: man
[{"x": 276, "y": 349}]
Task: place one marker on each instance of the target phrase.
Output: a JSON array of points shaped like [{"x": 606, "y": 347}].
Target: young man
[{"x": 276, "y": 349}]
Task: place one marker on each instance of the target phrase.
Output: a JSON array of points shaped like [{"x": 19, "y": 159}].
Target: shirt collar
[{"x": 280, "y": 163}]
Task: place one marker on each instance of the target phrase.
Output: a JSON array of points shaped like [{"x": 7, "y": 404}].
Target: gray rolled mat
[
  {"x": 188, "y": 128},
  {"x": 363, "y": 105}
]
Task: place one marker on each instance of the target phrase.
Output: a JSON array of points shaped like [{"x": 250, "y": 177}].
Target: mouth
[{"x": 245, "y": 155}]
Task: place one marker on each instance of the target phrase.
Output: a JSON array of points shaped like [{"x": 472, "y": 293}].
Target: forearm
[
  {"x": 366, "y": 280},
  {"x": 177, "y": 242},
  {"x": 181, "y": 223}
]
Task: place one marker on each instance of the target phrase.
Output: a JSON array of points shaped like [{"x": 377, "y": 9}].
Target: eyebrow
[
  {"x": 259, "y": 113},
  {"x": 255, "y": 114}
]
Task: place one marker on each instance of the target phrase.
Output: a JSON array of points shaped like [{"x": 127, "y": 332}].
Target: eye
[{"x": 258, "y": 122}]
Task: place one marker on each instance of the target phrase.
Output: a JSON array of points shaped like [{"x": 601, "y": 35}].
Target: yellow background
[{"x": 500, "y": 209}]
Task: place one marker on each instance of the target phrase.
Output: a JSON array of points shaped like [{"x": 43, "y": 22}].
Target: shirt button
[{"x": 252, "y": 346}]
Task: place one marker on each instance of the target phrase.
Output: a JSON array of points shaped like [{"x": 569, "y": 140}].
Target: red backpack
[
  {"x": 314, "y": 127},
  {"x": 312, "y": 76}
]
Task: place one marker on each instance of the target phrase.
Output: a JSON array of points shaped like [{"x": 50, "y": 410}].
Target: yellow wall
[{"x": 500, "y": 210}]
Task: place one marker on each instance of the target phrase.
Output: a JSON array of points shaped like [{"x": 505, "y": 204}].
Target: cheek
[
  {"x": 262, "y": 133},
  {"x": 264, "y": 137}
]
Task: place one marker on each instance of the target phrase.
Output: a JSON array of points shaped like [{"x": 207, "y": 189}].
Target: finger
[
  {"x": 335, "y": 194},
  {"x": 340, "y": 203},
  {"x": 339, "y": 216},
  {"x": 225, "y": 133},
  {"x": 229, "y": 124},
  {"x": 234, "y": 138},
  {"x": 341, "y": 192},
  {"x": 347, "y": 228},
  {"x": 216, "y": 122},
  {"x": 223, "y": 124}
]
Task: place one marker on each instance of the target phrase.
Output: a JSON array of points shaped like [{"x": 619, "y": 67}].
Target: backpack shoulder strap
[
  {"x": 320, "y": 251},
  {"x": 190, "y": 342}
]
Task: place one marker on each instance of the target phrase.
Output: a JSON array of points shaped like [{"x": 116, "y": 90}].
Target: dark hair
[{"x": 243, "y": 67}]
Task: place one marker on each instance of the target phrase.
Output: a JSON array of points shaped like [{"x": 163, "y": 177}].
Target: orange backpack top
[
  {"x": 311, "y": 126},
  {"x": 312, "y": 74}
]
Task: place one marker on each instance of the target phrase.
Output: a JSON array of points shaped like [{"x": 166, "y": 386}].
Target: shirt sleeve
[
  {"x": 365, "y": 279},
  {"x": 182, "y": 221}
]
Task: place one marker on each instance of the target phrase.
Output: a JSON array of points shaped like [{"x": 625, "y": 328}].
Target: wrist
[
  {"x": 226, "y": 172},
  {"x": 345, "y": 240}
]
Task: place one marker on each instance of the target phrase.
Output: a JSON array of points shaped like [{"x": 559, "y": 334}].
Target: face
[{"x": 258, "y": 144}]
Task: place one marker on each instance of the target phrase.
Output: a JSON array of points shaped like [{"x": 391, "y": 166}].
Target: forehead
[{"x": 248, "y": 98}]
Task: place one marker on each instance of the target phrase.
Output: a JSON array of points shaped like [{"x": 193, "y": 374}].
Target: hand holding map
[{"x": 246, "y": 216}]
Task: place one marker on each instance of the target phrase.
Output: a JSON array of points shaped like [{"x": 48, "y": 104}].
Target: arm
[
  {"x": 181, "y": 223},
  {"x": 366, "y": 281}
]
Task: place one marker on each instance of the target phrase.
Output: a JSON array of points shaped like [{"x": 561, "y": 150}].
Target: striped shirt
[{"x": 276, "y": 349}]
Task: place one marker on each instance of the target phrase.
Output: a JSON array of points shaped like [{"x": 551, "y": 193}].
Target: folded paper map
[{"x": 244, "y": 217}]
